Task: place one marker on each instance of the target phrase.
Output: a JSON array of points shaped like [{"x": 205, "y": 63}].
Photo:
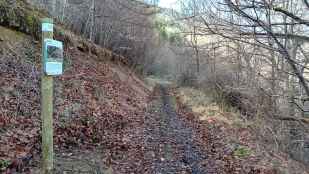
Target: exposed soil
[{"x": 169, "y": 144}]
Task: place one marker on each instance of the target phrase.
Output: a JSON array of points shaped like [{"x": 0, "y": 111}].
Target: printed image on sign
[
  {"x": 47, "y": 27},
  {"x": 53, "y": 57}
]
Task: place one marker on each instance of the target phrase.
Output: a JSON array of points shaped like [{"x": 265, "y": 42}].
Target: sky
[{"x": 167, "y": 3}]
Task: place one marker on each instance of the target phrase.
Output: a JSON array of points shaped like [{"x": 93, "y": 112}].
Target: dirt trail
[{"x": 169, "y": 144}]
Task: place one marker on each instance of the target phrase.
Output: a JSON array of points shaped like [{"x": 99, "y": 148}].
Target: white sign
[
  {"x": 306, "y": 106},
  {"x": 47, "y": 27}
]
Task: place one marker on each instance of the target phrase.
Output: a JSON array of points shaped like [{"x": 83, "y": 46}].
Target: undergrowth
[
  {"x": 209, "y": 105},
  {"x": 247, "y": 138}
]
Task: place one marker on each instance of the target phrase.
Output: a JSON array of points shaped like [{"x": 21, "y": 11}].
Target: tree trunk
[
  {"x": 54, "y": 7},
  {"x": 92, "y": 18},
  {"x": 292, "y": 81},
  {"x": 64, "y": 4}
]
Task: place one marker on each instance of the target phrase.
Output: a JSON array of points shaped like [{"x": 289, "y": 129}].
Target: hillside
[
  {"x": 98, "y": 101},
  {"x": 141, "y": 95}
]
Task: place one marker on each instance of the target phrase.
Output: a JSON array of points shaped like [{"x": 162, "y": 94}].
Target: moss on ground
[
  {"x": 4, "y": 164},
  {"x": 10, "y": 36},
  {"x": 242, "y": 152},
  {"x": 21, "y": 16}
]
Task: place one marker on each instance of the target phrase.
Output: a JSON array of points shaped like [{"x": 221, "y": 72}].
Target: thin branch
[
  {"x": 291, "y": 15},
  {"x": 307, "y": 3},
  {"x": 282, "y": 49}
]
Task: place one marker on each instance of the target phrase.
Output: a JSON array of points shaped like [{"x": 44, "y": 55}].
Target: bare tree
[
  {"x": 125, "y": 27},
  {"x": 263, "y": 45}
]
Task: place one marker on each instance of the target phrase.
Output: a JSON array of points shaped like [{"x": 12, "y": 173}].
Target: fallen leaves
[
  {"x": 234, "y": 148},
  {"x": 82, "y": 119}
]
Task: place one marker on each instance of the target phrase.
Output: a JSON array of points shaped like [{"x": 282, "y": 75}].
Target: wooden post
[{"x": 47, "y": 109}]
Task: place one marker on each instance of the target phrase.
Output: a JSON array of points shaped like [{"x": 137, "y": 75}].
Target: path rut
[{"x": 169, "y": 141}]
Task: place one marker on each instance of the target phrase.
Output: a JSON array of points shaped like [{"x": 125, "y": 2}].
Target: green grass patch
[
  {"x": 242, "y": 152},
  {"x": 4, "y": 164}
]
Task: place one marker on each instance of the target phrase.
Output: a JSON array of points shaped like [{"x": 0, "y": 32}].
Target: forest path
[
  {"x": 169, "y": 142},
  {"x": 164, "y": 144}
]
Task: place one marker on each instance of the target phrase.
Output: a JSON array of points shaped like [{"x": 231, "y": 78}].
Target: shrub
[{"x": 187, "y": 79}]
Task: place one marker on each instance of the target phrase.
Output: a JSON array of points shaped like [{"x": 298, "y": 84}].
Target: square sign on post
[
  {"x": 53, "y": 57},
  {"x": 47, "y": 26}
]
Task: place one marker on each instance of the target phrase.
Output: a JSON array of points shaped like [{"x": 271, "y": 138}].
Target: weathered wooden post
[{"x": 52, "y": 58}]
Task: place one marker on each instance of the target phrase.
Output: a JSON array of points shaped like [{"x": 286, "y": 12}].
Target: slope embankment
[{"x": 98, "y": 102}]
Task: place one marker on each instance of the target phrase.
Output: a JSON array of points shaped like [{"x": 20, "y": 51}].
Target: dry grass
[
  {"x": 10, "y": 36},
  {"x": 207, "y": 108},
  {"x": 152, "y": 81},
  {"x": 243, "y": 136}
]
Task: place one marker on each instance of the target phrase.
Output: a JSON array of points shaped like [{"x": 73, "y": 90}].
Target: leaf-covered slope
[{"x": 96, "y": 102}]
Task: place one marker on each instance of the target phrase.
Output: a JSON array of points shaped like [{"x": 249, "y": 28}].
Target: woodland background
[{"x": 251, "y": 54}]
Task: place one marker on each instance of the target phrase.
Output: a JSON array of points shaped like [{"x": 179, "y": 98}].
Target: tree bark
[{"x": 92, "y": 18}]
